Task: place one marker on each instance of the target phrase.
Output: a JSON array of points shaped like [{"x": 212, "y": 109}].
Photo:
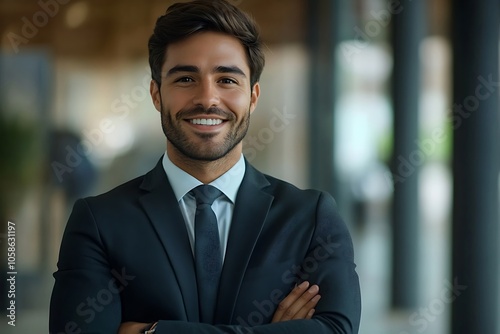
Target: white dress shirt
[{"x": 228, "y": 183}]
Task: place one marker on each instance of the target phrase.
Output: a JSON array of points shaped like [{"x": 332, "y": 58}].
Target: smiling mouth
[{"x": 206, "y": 121}]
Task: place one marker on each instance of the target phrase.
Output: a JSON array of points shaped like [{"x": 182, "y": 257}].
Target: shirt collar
[{"x": 182, "y": 182}]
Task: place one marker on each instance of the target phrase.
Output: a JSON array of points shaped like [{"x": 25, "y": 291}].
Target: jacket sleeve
[
  {"x": 86, "y": 294},
  {"x": 328, "y": 263}
]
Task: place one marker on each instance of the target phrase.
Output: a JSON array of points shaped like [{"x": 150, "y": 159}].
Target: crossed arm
[
  {"x": 84, "y": 275},
  {"x": 299, "y": 304}
]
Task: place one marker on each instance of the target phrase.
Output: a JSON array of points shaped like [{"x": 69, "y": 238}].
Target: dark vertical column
[
  {"x": 45, "y": 80},
  {"x": 407, "y": 33},
  {"x": 322, "y": 41},
  {"x": 476, "y": 166}
]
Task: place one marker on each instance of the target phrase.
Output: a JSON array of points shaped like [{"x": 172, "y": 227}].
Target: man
[{"x": 156, "y": 255}]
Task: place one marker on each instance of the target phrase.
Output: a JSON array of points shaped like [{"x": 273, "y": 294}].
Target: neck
[{"x": 204, "y": 171}]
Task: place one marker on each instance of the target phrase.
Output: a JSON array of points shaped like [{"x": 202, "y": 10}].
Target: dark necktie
[{"x": 207, "y": 251}]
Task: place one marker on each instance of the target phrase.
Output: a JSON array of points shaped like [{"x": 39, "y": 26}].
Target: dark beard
[{"x": 172, "y": 130}]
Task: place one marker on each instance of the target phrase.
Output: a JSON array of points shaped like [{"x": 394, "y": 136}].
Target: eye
[
  {"x": 184, "y": 80},
  {"x": 228, "y": 81}
]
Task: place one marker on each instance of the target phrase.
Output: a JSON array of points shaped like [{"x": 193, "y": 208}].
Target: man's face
[{"x": 205, "y": 98}]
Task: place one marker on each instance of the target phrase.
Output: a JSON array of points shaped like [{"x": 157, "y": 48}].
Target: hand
[
  {"x": 299, "y": 304},
  {"x": 132, "y": 327}
]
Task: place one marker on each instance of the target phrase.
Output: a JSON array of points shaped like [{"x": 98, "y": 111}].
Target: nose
[{"x": 207, "y": 94}]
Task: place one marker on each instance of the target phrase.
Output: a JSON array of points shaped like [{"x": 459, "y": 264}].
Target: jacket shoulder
[
  {"x": 280, "y": 188},
  {"x": 116, "y": 202},
  {"x": 127, "y": 190}
]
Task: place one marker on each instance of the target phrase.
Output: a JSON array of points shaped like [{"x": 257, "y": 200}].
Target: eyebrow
[
  {"x": 229, "y": 69},
  {"x": 183, "y": 68},
  {"x": 195, "y": 69}
]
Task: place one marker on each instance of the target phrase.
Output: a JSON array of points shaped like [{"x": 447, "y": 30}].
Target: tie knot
[{"x": 206, "y": 194}]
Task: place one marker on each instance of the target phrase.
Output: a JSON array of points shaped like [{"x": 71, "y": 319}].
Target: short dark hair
[{"x": 183, "y": 20}]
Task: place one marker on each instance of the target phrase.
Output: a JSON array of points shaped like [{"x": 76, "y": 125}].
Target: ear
[
  {"x": 154, "y": 90},
  {"x": 254, "y": 97}
]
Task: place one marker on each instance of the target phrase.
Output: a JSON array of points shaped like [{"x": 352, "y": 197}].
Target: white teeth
[{"x": 204, "y": 121}]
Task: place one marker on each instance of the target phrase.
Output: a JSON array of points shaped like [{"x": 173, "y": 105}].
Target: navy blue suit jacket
[{"x": 125, "y": 256}]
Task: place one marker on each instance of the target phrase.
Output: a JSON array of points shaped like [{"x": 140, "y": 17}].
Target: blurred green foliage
[{"x": 20, "y": 153}]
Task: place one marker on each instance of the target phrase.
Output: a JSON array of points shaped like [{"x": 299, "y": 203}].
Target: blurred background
[{"x": 391, "y": 106}]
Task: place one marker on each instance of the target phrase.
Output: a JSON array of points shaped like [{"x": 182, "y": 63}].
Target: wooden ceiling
[{"x": 122, "y": 27}]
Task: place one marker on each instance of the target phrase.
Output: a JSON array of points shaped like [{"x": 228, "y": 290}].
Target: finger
[
  {"x": 300, "y": 303},
  {"x": 131, "y": 327},
  {"x": 307, "y": 311},
  {"x": 292, "y": 309},
  {"x": 310, "y": 314},
  {"x": 289, "y": 300}
]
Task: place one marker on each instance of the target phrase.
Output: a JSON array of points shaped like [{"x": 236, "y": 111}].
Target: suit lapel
[
  {"x": 161, "y": 207},
  {"x": 250, "y": 211}
]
